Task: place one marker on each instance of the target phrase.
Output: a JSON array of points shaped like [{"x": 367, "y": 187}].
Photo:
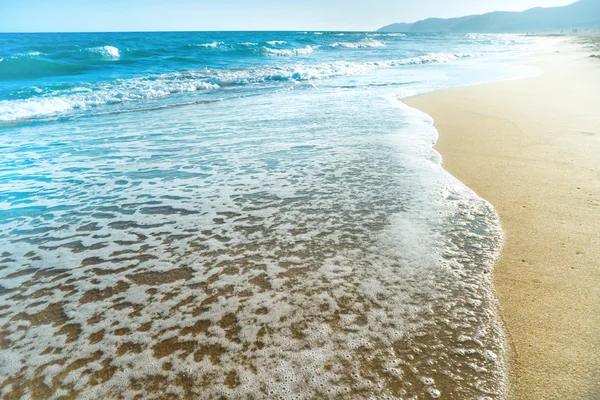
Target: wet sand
[{"x": 532, "y": 148}]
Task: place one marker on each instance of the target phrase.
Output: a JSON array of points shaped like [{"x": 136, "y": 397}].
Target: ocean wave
[
  {"x": 27, "y": 54},
  {"x": 107, "y": 52},
  {"x": 212, "y": 45},
  {"x": 304, "y": 51},
  {"x": 493, "y": 39},
  {"x": 59, "y": 102},
  {"x": 388, "y": 35},
  {"x": 85, "y": 97},
  {"x": 368, "y": 43},
  {"x": 30, "y": 66},
  {"x": 248, "y": 44},
  {"x": 276, "y": 42},
  {"x": 437, "y": 58}
]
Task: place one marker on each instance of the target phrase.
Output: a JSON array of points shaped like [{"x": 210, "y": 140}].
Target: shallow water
[{"x": 288, "y": 234}]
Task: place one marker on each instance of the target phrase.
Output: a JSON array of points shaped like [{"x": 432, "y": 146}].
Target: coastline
[{"x": 531, "y": 147}]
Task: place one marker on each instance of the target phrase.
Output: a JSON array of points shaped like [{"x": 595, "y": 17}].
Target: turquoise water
[
  {"x": 50, "y": 76},
  {"x": 242, "y": 215}
]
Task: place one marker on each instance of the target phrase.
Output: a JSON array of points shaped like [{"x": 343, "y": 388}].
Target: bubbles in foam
[
  {"x": 427, "y": 381},
  {"x": 434, "y": 393}
]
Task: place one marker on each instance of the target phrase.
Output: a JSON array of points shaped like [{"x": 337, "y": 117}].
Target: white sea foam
[
  {"x": 387, "y": 35},
  {"x": 160, "y": 86},
  {"x": 211, "y": 45},
  {"x": 277, "y": 261},
  {"x": 303, "y": 51},
  {"x": 107, "y": 52},
  {"x": 437, "y": 58},
  {"x": 87, "y": 97},
  {"x": 276, "y": 42},
  {"x": 493, "y": 39},
  {"x": 304, "y": 72},
  {"x": 28, "y": 54},
  {"x": 368, "y": 43}
]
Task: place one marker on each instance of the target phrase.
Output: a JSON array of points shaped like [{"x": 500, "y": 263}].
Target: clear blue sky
[{"x": 155, "y": 15}]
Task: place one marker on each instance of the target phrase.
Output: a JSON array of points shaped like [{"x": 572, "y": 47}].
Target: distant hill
[{"x": 585, "y": 14}]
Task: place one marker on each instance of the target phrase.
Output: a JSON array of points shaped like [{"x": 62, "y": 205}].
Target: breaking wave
[
  {"x": 82, "y": 97},
  {"x": 211, "y": 45},
  {"x": 304, "y": 51},
  {"x": 107, "y": 52},
  {"x": 365, "y": 44}
]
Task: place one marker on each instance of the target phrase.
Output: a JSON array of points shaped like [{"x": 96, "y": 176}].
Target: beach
[
  {"x": 257, "y": 215},
  {"x": 531, "y": 148}
]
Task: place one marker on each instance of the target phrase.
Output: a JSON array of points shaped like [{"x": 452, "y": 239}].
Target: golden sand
[{"x": 532, "y": 148}]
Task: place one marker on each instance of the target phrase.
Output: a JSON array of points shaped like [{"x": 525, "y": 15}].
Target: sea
[{"x": 243, "y": 215}]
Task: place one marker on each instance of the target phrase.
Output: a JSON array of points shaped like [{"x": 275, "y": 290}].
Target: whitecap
[
  {"x": 303, "y": 51},
  {"x": 276, "y": 42},
  {"x": 107, "y": 52},
  {"x": 212, "y": 45},
  {"x": 369, "y": 43},
  {"x": 388, "y": 35},
  {"x": 82, "y": 98},
  {"x": 160, "y": 86}
]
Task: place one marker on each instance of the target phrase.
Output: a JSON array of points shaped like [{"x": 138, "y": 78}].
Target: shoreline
[{"x": 530, "y": 147}]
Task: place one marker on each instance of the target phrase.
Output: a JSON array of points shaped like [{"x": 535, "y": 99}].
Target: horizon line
[{"x": 199, "y": 31}]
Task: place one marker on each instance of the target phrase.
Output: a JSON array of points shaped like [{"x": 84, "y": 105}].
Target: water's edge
[
  {"x": 509, "y": 352},
  {"x": 292, "y": 230}
]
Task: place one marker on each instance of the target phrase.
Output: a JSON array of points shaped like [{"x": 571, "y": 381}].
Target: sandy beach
[
  {"x": 255, "y": 215},
  {"x": 531, "y": 147}
]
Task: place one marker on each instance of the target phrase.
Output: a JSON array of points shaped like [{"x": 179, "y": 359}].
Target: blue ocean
[{"x": 243, "y": 215}]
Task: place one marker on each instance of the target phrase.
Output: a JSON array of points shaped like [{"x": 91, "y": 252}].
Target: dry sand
[{"x": 532, "y": 148}]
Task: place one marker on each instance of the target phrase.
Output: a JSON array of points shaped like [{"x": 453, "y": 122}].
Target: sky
[{"x": 208, "y": 15}]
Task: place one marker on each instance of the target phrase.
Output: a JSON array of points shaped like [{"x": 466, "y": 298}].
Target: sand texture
[{"x": 532, "y": 148}]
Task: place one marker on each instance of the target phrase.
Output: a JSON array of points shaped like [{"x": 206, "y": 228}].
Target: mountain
[{"x": 584, "y": 14}]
